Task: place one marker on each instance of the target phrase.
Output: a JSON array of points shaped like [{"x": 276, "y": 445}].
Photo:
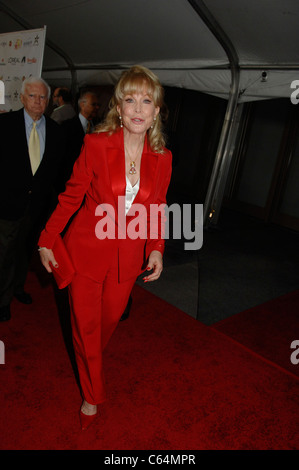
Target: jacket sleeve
[
  {"x": 156, "y": 222},
  {"x": 71, "y": 199}
]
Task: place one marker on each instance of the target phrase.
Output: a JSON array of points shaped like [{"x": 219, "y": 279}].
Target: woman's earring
[
  {"x": 153, "y": 123},
  {"x": 121, "y": 122}
]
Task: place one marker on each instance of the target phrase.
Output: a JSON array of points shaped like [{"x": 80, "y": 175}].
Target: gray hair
[
  {"x": 84, "y": 95},
  {"x": 32, "y": 80}
]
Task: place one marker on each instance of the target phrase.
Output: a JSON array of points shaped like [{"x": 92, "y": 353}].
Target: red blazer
[{"x": 99, "y": 178}]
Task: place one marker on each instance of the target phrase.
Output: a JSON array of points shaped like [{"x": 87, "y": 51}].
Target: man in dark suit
[
  {"x": 27, "y": 193},
  {"x": 76, "y": 128}
]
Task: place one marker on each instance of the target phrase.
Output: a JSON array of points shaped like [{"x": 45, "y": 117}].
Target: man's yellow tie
[
  {"x": 88, "y": 127},
  {"x": 34, "y": 149}
]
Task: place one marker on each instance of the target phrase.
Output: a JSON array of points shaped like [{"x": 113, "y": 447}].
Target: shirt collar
[
  {"x": 83, "y": 120},
  {"x": 29, "y": 121}
]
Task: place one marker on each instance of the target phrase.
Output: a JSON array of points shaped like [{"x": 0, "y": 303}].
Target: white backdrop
[{"x": 21, "y": 56}]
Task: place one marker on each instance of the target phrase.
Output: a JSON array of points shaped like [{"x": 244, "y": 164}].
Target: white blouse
[{"x": 131, "y": 192}]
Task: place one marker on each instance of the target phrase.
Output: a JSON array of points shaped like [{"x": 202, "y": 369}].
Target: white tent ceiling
[
  {"x": 220, "y": 47},
  {"x": 91, "y": 41}
]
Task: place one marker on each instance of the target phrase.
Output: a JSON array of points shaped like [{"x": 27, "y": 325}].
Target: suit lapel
[
  {"x": 21, "y": 124},
  {"x": 48, "y": 144},
  {"x": 147, "y": 174},
  {"x": 116, "y": 165},
  {"x": 81, "y": 133}
]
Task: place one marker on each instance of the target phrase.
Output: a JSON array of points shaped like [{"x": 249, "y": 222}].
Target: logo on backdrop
[
  {"x": 2, "y": 353},
  {"x": 295, "y": 93},
  {"x": 295, "y": 354}
]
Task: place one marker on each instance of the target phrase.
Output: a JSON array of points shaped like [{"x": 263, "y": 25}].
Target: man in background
[
  {"x": 32, "y": 149},
  {"x": 63, "y": 108},
  {"x": 76, "y": 128}
]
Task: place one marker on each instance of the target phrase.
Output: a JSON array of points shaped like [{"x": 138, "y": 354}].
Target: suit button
[{"x": 30, "y": 192}]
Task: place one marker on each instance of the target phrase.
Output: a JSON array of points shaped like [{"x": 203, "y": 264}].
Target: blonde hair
[{"x": 131, "y": 81}]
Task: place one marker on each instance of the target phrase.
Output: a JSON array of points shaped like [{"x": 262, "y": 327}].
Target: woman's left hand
[{"x": 155, "y": 263}]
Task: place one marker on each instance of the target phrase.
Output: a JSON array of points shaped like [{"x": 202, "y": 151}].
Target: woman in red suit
[{"x": 123, "y": 166}]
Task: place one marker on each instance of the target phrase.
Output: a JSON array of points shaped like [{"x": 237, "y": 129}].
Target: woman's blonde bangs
[{"x": 139, "y": 83}]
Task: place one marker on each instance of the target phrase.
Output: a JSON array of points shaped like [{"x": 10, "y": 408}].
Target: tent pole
[
  {"x": 223, "y": 154},
  {"x": 222, "y": 161},
  {"x": 49, "y": 43}
]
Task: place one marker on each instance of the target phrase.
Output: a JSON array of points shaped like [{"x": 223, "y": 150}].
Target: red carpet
[
  {"x": 173, "y": 383},
  {"x": 268, "y": 329}
]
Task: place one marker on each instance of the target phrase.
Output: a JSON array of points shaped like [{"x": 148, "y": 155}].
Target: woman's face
[{"x": 137, "y": 112}]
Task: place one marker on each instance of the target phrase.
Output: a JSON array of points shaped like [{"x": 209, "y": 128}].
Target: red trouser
[{"x": 96, "y": 308}]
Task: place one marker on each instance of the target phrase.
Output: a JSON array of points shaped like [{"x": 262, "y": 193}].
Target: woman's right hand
[{"x": 47, "y": 257}]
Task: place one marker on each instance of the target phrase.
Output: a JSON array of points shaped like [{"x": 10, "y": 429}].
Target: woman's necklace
[
  {"x": 132, "y": 169},
  {"x": 133, "y": 162}
]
